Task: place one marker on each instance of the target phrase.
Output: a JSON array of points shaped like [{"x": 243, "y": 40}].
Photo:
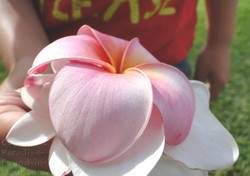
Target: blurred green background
[{"x": 233, "y": 106}]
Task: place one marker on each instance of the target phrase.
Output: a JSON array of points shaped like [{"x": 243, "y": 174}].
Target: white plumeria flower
[{"x": 113, "y": 109}]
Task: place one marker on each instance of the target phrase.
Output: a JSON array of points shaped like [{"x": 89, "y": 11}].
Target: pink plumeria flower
[{"x": 113, "y": 109}]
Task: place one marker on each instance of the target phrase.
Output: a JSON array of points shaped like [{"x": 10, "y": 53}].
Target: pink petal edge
[
  {"x": 174, "y": 97},
  {"x": 113, "y": 46},
  {"x": 81, "y": 48},
  {"x": 209, "y": 146},
  {"x": 135, "y": 54}
]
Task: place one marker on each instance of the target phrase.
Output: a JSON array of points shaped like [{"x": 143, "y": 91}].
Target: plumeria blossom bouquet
[{"x": 112, "y": 109}]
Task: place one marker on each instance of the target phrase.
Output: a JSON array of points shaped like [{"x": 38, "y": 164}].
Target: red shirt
[{"x": 165, "y": 27}]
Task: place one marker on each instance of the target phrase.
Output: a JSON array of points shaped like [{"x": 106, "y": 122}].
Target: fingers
[
  {"x": 216, "y": 84},
  {"x": 216, "y": 72},
  {"x": 11, "y": 109},
  {"x": 216, "y": 80},
  {"x": 216, "y": 88}
]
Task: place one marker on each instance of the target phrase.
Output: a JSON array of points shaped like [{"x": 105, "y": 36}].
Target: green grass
[
  {"x": 12, "y": 169},
  {"x": 233, "y": 106}
]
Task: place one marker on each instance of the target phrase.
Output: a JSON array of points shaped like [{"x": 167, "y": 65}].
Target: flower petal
[
  {"x": 35, "y": 86},
  {"x": 81, "y": 48},
  {"x": 36, "y": 97},
  {"x": 168, "y": 167},
  {"x": 56, "y": 66},
  {"x": 136, "y": 54},
  {"x": 58, "y": 160},
  {"x": 113, "y": 46},
  {"x": 38, "y": 79},
  {"x": 173, "y": 95},
  {"x": 44, "y": 99},
  {"x": 209, "y": 145},
  {"x": 30, "y": 94},
  {"x": 138, "y": 160},
  {"x": 87, "y": 103},
  {"x": 31, "y": 129}
]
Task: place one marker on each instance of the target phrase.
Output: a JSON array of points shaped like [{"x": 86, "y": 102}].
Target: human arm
[
  {"x": 213, "y": 63},
  {"x": 21, "y": 38}
]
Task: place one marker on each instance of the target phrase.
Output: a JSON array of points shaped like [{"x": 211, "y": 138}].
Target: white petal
[
  {"x": 31, "y": 129},
  {"x": 36, "y": 97},
  {"x": 56, "y": 66},
  {"x": 58, "y": 161},
  {"x": 169, "y": 167},
  {"x": 137, "y": 161},
  {"x": 30, "y": 94},
  {"x": 209, "y": 145},
  {"x": 44, "y": 97}
]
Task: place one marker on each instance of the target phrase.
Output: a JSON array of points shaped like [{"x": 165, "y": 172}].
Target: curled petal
[
  {"x": 31, "y": 129},
  {"x": 36, "y": 97},
  {"x": 136, "y": 54},
  {"x": 58, "y": 160},
  {"x": 35, "y": 85},
  {"x": 87, "y": 103},
  {"x": 169, "y": 167},
  {"x": 80, "y": 48},
  {"x": 30, "y": 94},
  {"x": 38, "y": 79},
  {"x": 138, "y": 160},
  {"x": 56, "y": 66},
  {"x": 41, "y": 104},
  {"x": 114, "y": 47},
  {"x": 44, "y": 98},
  {"x": 174, "y": 97},
  {"x": 209, "y": 145}
]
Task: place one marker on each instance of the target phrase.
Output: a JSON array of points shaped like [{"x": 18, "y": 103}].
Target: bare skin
[
  {"x": 213, "y": 62},
  {"x": 20, "y": 41}
]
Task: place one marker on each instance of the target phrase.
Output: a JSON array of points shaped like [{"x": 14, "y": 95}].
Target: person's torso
[{"x": 164, "y": 27}]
